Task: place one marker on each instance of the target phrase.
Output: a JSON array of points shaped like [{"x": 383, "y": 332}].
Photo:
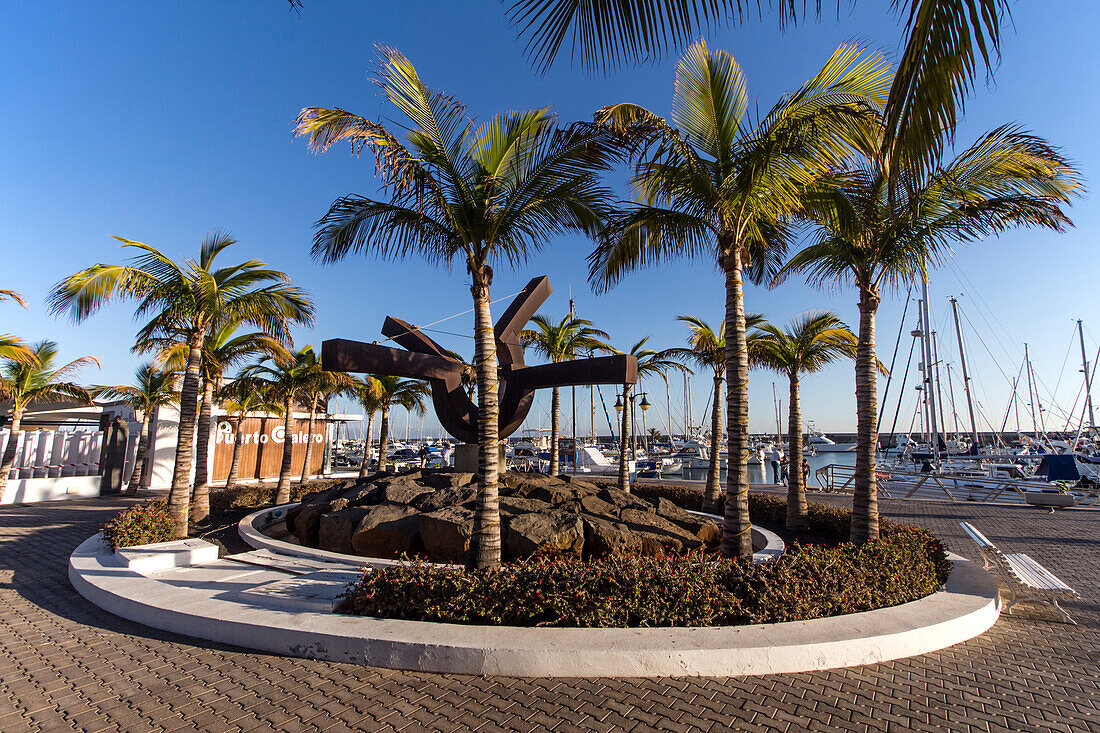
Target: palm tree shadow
[{"x": 35, "y": 546}]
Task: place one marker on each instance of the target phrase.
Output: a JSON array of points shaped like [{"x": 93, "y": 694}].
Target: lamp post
[{"x": 645, "y": 405}]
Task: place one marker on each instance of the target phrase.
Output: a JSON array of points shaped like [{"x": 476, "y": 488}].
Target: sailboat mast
[
  {"x": 951, "y": 391},
  {"x": 966, "y": 374},
  {"x": 1088, "y": 376},
  {"x": 1031, "y": 394},
  {"x": 939, "y": 382},
  {"x": 930, "y": 391}
]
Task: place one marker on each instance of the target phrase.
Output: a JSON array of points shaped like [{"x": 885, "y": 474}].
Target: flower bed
[
  {"x": 807, "y": 582},
  {"x": 141, "y": 524}
]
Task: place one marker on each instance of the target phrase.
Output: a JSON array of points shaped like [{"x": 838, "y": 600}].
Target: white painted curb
[
  {"x": 250, "y": 529},
  {"x": 966, "y": 607}
]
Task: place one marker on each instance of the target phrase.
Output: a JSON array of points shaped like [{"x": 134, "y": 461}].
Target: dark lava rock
[
  {"x": 433, "y": 511},
  {"x": 446, "y": 533},
  {"x": 559, "y": 533},
  {"x": 336, "y": 529},
  {"x": 387, "y": 530}
]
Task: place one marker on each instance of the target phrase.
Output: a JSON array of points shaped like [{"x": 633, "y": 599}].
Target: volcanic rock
[
  {"x": 446, "y": 533},
  {"x": 387, "y": 530}
]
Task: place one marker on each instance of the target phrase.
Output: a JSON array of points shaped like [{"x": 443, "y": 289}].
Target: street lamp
[{"x": 644, "y": 404}]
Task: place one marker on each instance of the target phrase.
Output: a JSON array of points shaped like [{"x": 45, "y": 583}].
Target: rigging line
[
  {"x": 984, "y": 345},
  {"x": 1062, "y": 371},
  {"x": 456, "y": 315},
  {"x": 897, "y": 343},
  {"x": 901, "y": 397},
  {"x": 981, "y": 302},
  {"x": 449, "y": 333}
]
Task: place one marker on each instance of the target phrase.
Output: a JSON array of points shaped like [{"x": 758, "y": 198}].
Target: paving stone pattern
[{"x": 65, "y": 665}]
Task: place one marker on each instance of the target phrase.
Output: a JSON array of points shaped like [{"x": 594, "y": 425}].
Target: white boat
[{"x": 821, "y": 443}]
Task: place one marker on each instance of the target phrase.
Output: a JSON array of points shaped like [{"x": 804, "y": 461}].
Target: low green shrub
[
  {"x": 614, "y": 591},
  {"x": 141, "y": 524},
  {"x": 255, "y": 496}
]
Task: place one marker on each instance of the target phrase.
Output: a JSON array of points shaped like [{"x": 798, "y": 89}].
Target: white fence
[{"x": 49, "y": 462}]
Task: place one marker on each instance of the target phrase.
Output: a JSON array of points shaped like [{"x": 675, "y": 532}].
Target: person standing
[
  {"x": 776, "y": 456},
  {"x": 805, "y": 473}
]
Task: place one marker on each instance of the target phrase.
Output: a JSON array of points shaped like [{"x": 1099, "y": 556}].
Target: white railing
[
  {"x": 61, "y": 453},
  {"x": 902, "y": 484}
]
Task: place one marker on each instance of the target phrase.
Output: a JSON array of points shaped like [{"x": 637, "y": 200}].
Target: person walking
[
  {"x": 776, "y": 456},
  {"x": 423, "y": 455},
  {"x": 447, "y": 451}
]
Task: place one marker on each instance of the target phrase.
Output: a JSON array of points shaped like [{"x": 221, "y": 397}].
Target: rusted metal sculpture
[{"x": 425, "y": 359}]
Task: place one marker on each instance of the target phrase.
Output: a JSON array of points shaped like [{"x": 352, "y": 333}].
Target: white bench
[{"x": 1025, "y": 577}]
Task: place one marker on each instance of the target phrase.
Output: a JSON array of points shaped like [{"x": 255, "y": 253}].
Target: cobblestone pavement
[{"x": 67, "y": 665}]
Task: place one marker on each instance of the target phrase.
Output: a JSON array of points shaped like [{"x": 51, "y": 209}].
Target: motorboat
[{"x": 821, "y": 443}]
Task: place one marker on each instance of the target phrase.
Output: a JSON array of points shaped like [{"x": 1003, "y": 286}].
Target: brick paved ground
[{"x": 67, "y": 665}]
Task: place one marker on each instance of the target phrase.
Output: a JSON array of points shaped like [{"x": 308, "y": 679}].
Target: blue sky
[{"x": 161, "y": 121}]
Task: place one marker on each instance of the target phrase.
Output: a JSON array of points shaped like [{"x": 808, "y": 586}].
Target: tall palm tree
[
  {"x": 223, "y": 348},
  {"x": 561, "y": 341},
  {"x": 193, "y": 296},
  {"x": 726, "y": 188},
  {"x": 287, "y": 380},
  {"x": 881, "y": 226},
  {"x": 324, "y": 385},
  {"x": 368, "y": 391},
  {"x": 651, "y": 363},
  {"x": 241, "y": 399},
  {"x": 944, "y": 41},
  {"x": 152, "y": 388},
  {"x": 13, "y": 347},
  {"x": 396, "y": 392},
  {"x": 481, "y": 196},
  {"x": 707, "y": 349},
  {"x": 25, "y": 383},
  {"x": 808, "y": 344}
]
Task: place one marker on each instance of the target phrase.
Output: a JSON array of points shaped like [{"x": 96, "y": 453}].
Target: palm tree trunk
[
  {"x": 624, "y": 477},
  {"x": 554, "y": 406},
  {"x": 485, "y": 541},
  {"x": 714, "y": 483},
  {"x": 365, "y": 468},
  {"x": 12, "y": 448},
  {"x": 797, "y": 512},
  {"x": 179, "y": 496},
  {"x": 200, "y": 494},
  {"x": 865, "y": 490},
  {"x": 235, "y": 461},
  {"x": 139, "y": 457},
  {"x": 309, "y": 440},
  {"x": 737, "y": 528},
  {"x": 282, "y": 491},
  {"x": 383, "y": 438}
]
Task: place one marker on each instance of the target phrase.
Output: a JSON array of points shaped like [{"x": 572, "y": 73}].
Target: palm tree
[
  {"x": 242, "y": 398},
  {"x": 287, "y": 379},
  {"x": 397, "y": 392},
  {"x": 324, "y": 385},
  {"x": 725, "y": 188},
  {"x": 481, "y": 196},
  {"x": 25, "y": 383},
  {"x": 808, "y": 344},
  {"x": 193, "y": 296},
  {"x": 650, "y": 363},
  {"x": 937, "y": 66},
  {"x": 707, "y": 349},
  {"x": 222, "y": 349},
  {"x": 368, "y": 391},
  {"x": 881, "y": 226},
  {"x": 558, "y": 342},
  {"x": 152, "y": 388},
  {"x": 13, "y": 347}
]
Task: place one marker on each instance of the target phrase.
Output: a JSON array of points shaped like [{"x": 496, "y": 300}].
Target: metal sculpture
[{"x": 425, "y": 359}]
